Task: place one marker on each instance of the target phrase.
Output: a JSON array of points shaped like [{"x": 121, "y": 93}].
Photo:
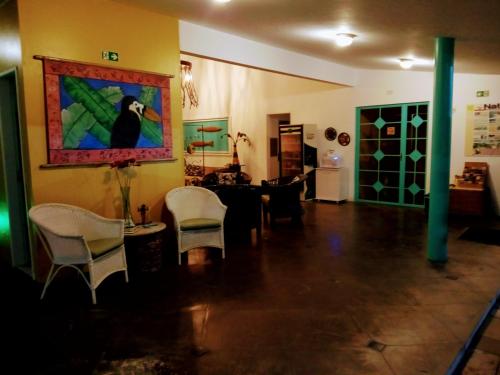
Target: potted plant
[{"x": 239, "y": 137}]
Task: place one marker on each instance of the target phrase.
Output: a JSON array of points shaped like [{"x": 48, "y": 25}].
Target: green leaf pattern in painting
[
  {"x": 147, "y": 95},
  {"x": 94, "y": 112},
  {"x": 150, "y": 129},
  {"x": 78, "y": 121},
  {"x": 93, "y": 101},
  {"x": 113, "y": 94}
]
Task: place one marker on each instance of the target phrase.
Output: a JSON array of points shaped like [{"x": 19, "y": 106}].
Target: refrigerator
[{"x": 298, "y": 153}]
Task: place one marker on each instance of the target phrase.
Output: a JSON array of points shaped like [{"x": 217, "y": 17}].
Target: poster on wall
[
  {"x": 483, "y": 130},
  {"x": 207, "y": 136},
  {"x": 98, "y": 114}
]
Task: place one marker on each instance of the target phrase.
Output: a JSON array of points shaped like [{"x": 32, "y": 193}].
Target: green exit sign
[
  {"x": 110, "y": 55},
  {"x": 482, "y": 93}
]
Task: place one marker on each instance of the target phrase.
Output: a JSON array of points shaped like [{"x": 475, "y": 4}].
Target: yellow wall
[{"x": 80, "y": 31}]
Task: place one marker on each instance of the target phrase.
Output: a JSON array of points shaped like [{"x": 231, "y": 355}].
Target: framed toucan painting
[{"x": 98, "y": 114}]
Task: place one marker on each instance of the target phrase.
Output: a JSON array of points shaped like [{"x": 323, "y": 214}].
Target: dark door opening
[{"x": 14, "y": 223}]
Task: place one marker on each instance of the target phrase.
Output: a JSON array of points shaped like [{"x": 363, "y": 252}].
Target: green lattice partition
[{"x": 391, "y": 153}]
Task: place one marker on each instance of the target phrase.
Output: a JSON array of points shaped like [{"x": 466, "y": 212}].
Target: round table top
[{"x": 143, "y": 230}]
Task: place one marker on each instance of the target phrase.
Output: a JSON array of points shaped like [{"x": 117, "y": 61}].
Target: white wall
[
  {"x": 204, "y": 41},
  {"x": 464, "y": 93},
  {"x": 386, "y": 87},
  {"x": 248, "y": 95}
]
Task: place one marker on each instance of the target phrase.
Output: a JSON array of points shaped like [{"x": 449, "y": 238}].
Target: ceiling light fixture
[
  {"x": 406, "y": 63},
  {"x": 344, "y": 39},
  {"x": 222, "y": 1}
]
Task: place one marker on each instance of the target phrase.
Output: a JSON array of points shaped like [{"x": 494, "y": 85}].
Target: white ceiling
[{"x": 386, "y": 29}]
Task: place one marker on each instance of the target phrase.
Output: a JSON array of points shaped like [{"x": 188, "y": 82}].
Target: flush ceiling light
[
  {"x": 222, "y": 1},
  {"x": 406, "y": 63},
  {"x": 344, "y": 39}
]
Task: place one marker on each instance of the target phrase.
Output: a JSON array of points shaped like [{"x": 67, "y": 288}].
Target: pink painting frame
[{"x": 53, "y": 69}]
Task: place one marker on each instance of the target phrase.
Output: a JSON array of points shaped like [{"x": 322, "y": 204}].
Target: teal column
[{"x": 437, "y": 231}]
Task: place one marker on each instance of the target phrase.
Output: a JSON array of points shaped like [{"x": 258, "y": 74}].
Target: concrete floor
[{"x": 349, "y": 292}]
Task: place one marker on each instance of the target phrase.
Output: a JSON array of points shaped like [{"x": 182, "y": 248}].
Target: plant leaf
[
  {"x": 147, "y": 95},
  {"x": 150, "y": 129},
  {"x": 113, "y": 94},
  {"x": 95, "y": 103},
  {"x": 77, "y": 122}
]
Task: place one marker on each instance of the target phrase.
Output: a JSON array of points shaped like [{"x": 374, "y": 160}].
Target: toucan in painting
[{"x": 127, "y": 126}]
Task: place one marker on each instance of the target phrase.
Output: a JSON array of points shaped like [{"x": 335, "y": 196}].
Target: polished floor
[{"x": 348, "y": 292}]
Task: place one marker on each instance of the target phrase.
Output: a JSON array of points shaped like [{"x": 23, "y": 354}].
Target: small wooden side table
[{"x": 144, "y": 247}]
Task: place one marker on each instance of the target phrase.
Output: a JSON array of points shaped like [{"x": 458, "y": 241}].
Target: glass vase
[
  {"x": 127, "y": 215},
  {"x": 236, "y": 161}
]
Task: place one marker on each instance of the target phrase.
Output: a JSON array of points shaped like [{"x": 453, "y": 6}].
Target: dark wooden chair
[
  {"x": 283, "y": 198},
  {"x": 229, "y": 176},
  {"x": 244, "y": 209}
]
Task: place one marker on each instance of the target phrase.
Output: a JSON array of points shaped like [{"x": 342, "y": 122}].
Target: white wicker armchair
[
  {"x": 199, "y": 218},
  {"x": 74, "y": 237}
]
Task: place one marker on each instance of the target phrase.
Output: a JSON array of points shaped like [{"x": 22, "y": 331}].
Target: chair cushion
[
  {"x": 103, "y": 246},
  {"x": 200, "y": 223}
]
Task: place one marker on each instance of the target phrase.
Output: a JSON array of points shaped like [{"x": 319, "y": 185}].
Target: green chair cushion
[
  {"x": 199, "y": 223},
  {"x": 103, "y": 246}
]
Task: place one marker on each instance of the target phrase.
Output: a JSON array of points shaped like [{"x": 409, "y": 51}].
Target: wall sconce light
[
  {"x": 406, "y": 63},
  {"x": 187, "y": 85},
  {"x": 344, "y": 39}
]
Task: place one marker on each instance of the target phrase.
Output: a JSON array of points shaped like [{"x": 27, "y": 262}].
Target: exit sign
[
  {"x": 110, "y": 55},
  {"x": 482, "y": 93}
]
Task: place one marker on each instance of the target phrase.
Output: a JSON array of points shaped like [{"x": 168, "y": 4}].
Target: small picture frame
[
  {"x": 330, "y": 133},
  {"x": 207, "y": 136},
  {"x": 344, "y": 139}
]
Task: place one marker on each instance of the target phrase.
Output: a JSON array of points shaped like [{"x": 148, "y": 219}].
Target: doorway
[
  {"x": 14, "y": 223},
  {"x": 391, "y": 153},
  {"x": 273, "y": 152}
]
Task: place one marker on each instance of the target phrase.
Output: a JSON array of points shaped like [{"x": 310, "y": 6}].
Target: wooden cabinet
[
  {"x": 331, "y": 184},
  {"x": 467, "y": 201},
  {"x": 469, "y": 195}
]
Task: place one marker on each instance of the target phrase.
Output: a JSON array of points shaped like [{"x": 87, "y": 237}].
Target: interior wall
[
  {"x": 246, "y": 96},
  {"x": 235, "y": 92},
  {"x": 81, "y": 34},
  {"x": 328, "y": 105},
  {"x": 203, "y": 41},
  {"x": 386, "y": 87}
]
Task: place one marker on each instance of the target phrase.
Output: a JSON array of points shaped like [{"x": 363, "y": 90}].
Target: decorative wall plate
[
  {"x": 344, "y": 139},
  {"x": 330, "y": 134}
]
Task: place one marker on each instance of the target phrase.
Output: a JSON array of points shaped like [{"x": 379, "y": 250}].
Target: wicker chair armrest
[
  {"x": 64, "y": 248},
  {"x": 108, "y": 228},
  {"x": 219, "y": 211}
]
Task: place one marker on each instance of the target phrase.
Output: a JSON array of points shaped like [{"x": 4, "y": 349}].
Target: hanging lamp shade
[{"x": 187, "y": 85}]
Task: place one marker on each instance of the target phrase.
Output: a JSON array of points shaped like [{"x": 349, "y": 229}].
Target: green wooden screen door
[{"x": 391, "y": 153}]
